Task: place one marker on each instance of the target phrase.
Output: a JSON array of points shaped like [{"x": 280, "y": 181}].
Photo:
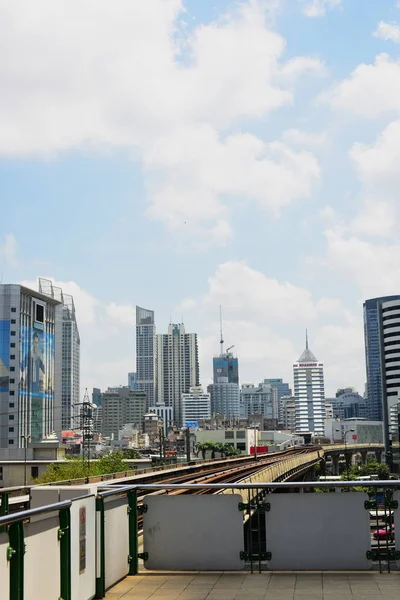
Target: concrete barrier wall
[
  {"x": 4, "y": 568},
  {"x": 116, "y": 533},
  {"x": 42, "y": 559}
]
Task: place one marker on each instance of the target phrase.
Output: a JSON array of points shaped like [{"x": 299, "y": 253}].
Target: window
[
  {"x": 12, "y": 345},
  {"x": 13, "y": 310},
  {"x": 13, "y": 321},
  {"x": 39, "y": 313},
  {"x": 11, "y": 405},
  {"x": 11, "y": 417},
  {"x": 12, "y": 356},
  {"x": 11, "y": 430},
  {"x": 12, "y": 333},
  {"x": 12, "y": 368},
  {"x": 34, "y": 472},
  {"x": 12, "y": 380},
  {"x": 10, "y": 442},
  {"x": 241, "y": 445},
  {"x": 240, "y": 435},
  {"x": 229, "y": 435},
  {"x": 12, "y": 393}
]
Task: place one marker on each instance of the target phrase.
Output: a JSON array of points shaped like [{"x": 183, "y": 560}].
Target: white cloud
[
  {"x": 166, "y": 95},
  {"x": 266, "y": 320},
  {"x": 304, "y": 138},
  {"x": 123, "y": 314},
  {"x": 388, "y": 31},
  {"x": 318, "y": 8},
  {"x": 370, "y": 91},
  {"x": 9, "y": 251}
]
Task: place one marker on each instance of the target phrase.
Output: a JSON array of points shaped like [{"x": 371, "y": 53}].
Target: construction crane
[{"x": 230, "y": 348}]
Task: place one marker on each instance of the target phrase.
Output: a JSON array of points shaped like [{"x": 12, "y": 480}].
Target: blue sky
[{"x": 182, "y": 155}]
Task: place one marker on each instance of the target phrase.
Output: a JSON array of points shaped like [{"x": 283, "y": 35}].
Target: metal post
[
  {"x": 255, "y": 442},
  {"x": 133, "y": 533},
  {"x": 188, "y": 444},
  {"x": 26, "y": 439},
  {"x": 64, "y": 535},
  {"x": 100, "y": 575}
]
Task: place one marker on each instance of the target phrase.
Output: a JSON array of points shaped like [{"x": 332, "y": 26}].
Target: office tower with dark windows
[
  {"x": 70, "y": 355},
  {"x": 146, "y": 354},
  {"x": 30, "y": 366},
  {"x": 309, "y": 393},
  {"x": 96, "y": 396},
  {"x": 177, "y": 367},
  {"x": 373, "y": 365}
]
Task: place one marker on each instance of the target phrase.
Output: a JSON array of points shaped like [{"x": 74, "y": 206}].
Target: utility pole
[
  {"x": 160, "y": 432},
  {"x": 187, "y": 444},
  {"x": 86, "y": 425}
]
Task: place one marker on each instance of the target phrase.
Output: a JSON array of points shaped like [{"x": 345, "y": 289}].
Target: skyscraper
[
  {"x": 146, "y": 353},
  {"x": 309, "y": 392},
  {"x": 373, "y": 354},
  {"x": 226, "y": 366},
  {"x": 70, "y": 354},
  {"x": 30, "y": 366},
  {"x": 177, "y": 367},
  {"x": 258, "y": 400},
  {"x": 225, "y": 398},
  {"x": 282, "y": 389}
]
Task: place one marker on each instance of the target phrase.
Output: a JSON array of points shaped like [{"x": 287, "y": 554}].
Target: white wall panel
[
  {"x": 42, "y": 560},
  {"x": 4, "y": 567},
  {"x": 326, "y": 531},
  {"x": 188, "y": 533},
  {"x": 83, "y": 581},
  {"x": 116, "y": 531}
]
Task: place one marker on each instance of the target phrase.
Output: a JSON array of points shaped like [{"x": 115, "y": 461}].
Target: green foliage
[
  {"x": 74, "y": 468},
  {"x": 131, "y": 454},
  {"x": 226, "y": 449}
]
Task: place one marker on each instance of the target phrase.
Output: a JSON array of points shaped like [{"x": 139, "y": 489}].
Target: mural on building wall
[
  {"x": 4, "y": 355},
  {"x": 37, "y": 363}
]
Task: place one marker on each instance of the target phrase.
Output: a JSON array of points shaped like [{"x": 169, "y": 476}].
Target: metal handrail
[
  {"x": 32, "y": 512},
  {"x": 252, "y": 486}
]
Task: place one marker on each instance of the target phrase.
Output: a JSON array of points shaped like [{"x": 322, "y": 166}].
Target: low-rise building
[
  {"x": 241, "y": 439},
  {"x": 354, "y": 431}
]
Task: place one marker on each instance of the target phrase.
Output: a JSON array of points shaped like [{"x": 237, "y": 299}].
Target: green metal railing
[{"x": 14, "y": 525}]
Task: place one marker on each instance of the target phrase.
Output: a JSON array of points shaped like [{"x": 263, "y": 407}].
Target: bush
[{"x": 74, "y": 468}]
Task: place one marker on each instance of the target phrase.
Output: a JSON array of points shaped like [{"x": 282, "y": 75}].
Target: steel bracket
[
  {"x": 143, "y": 555},
  {"x": 393, "y": 504},
  {"x": 266, "y": 506},
  {"x": 10, "y": 553},
  {"x": 243, "y": 506},
  {"x": 244, "y": 556},
  {"x": 370, "y": 504},
  {"x": 142, "y": 508}
]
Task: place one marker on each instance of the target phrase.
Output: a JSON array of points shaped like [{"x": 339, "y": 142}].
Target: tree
[
  {"x": 74, "y": 468},
  {"x": 230, "y": 450},
  {"x": 131, "y": 454},
  {"x": 202, "y": 447}
]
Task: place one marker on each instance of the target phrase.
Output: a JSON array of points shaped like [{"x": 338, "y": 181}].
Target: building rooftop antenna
[
  {"x": 306, "y": 339},
  {"x": 221, "y": 341}
]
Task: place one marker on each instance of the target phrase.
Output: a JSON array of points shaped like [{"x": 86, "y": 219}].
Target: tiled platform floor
[{"x": 267, "y": 586}]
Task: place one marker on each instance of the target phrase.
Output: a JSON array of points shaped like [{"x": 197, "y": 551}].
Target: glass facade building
[
  {"x": 226, "y": 366},
  {"x": 146, "y": 354}
]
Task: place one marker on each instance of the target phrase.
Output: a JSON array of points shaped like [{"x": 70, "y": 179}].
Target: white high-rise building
[
  {"x": 196, "y": 405},
  {"x": 70, "y": 355},
  {"x": 177, "y": 367},
  {"x": 309, "y": 392}
]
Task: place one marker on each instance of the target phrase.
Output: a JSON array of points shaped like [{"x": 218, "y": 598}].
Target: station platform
[{"x": 265, "y": 586}]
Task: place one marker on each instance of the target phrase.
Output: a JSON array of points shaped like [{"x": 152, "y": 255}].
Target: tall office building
[
  {"x": 120, "y": 407},
  {"x": 196, "y": 405},
  {"x": 382, "y": 355},
  {"x": 132, "y": 381},
  {"x": 373, "y": 355},
  {"x": 281, "y": 389},
  {"x": 226, "y": 366},
  {"x": 309, "y": 392},
  {"x": 96, "y": 396},
  {"x": 259, "y": 400},
  {"x": 146, "y": 354},
  {"x": 225, "y": 398},
  {"x": 177, "y": 367},
  {"x": 30, "y": 366},
  {"x": 70, "y": 355}
]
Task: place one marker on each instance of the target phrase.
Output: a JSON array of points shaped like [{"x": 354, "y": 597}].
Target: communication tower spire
[
  {"x": 306, "y": 339},
  {"x": 86, "y": 425},
  {"x": 221, "y": 341}
]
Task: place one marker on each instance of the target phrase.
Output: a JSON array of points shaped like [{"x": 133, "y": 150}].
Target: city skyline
[{"x": 236, "y": 156}]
